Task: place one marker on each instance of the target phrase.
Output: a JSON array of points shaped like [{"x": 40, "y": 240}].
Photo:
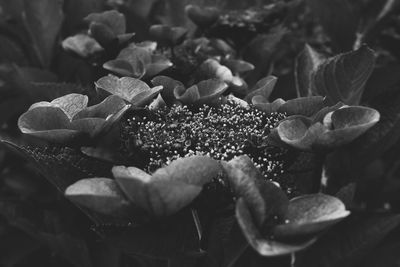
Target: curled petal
[
  {"x": 167, "y": 34},
  {"x": 306, "y": 106},
  {"x": 82, "y": 44},
  {"x": 264, "y": 246},
  {"x": 99, "y": 194},
  {"x": 263, "y": 87},
  {"x": 295, "y": 132},
  {"x": 310, "y": 214},
  {"x": 49, "y": 123},
  {"x": 132, "y": 90},
  {"x": 124, "y": 68},
  {"x": 264, "y": 199},
  {"x": 169, "y": 86},
  {"x": 169, "y": 189},
  {"x": 112, "y": 19},
  {"x": 265, "y": 106},
  {"x": 202, "y": 16}
]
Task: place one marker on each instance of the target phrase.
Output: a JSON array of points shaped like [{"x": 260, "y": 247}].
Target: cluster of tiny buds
[{"x": 221, "y": 132}]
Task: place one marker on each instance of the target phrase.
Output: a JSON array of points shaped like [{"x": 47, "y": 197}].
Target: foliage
[{"x": 199, "y": 133}]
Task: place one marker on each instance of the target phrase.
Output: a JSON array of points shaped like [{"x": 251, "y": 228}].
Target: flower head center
[{"x": 223, "y": 132}]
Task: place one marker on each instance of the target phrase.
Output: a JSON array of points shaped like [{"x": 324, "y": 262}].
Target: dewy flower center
[{"x": 158, "y": 137}]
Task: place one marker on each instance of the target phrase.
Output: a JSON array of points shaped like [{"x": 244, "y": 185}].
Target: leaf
[
  {"x": 348, "y": 243},
  {"x": 261, "y": 52},
  {"x": 62, "y": 166},
  {"x": 72, "y": 249},
  {"x": 99, "y": 194},
  {"x": 310, "y": 214},
  {"x": 48, "y": 228},
  {"x": 170, "y": 188},
  {"x": 339, "y": 19},
  {"x": 349, "y": 163},
  {"x": 306, "y": 64},
  {"x": 16, "y": 246},
  {"x": 383, "y": 80},
  {"x": 343, "y": 77},
  {"x": 166, "y": 239},
  {"x": 43, "y": 19}
]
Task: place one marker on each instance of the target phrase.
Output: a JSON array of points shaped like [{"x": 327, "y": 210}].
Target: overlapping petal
[
  {"x": 66, "y": 118},
  {"x": 132, "y": 90},
  {"x": 271, "y": 223},
  {"x": 163, "y": 193},
  {"x": 138, "y": 60},
  {"x": 335, "y": 128}
]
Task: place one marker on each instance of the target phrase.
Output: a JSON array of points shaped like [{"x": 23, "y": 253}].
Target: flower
[
  {"x": 82, "y": 44},
  {"x": 272, "y": 224},
  {"x": 138, "y": 60},
  {"x": 108, "y": 27},
  {"x": 162, "y": 193},
  {"x": 67, "y": 118},
  {"x": 135, "y": 91},
  {"x": 329, "y": 128},
  {"x": 154, "y": 138},
  {"x": 167, "y": 35},
  {"x": 202, "y": 17}
]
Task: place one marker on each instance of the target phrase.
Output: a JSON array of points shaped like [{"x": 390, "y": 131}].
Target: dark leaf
[
  {"x": 339, "y": 19},
  {"x": 62, "y": 166},
  {"x": 261, "y": 51},
  {"x": 343, "y": 77},
  {"x": 43, "y": 20},
  {"x": 349, "y": 242},
  {"x": 162, "y": 240}
]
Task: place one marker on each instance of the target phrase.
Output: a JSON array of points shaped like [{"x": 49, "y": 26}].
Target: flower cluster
[{"x": 222, "y": 132}]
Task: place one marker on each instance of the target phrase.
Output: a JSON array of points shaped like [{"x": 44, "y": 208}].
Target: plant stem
[
  {"x": 319, "y": 172},
  {"x": 293, "y": 259}
]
